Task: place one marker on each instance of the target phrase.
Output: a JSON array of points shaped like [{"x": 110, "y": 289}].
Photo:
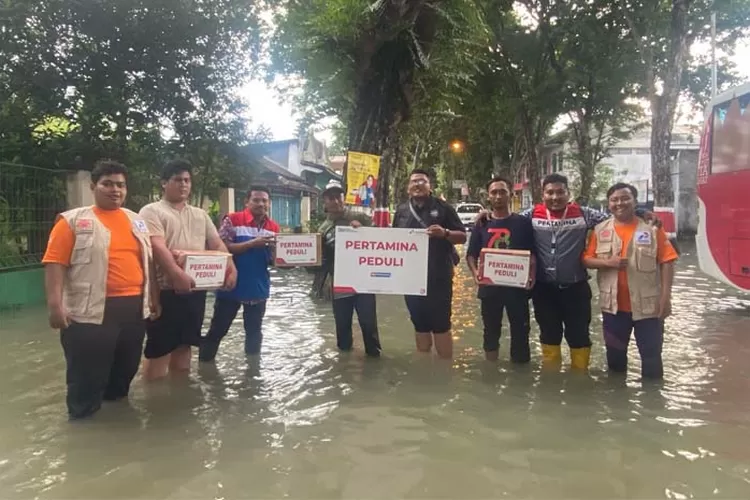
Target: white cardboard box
[
  {"x": 298, "y": 250},
  {"x": 501, "y": 267},
  {"x": 208, "y": 269}
]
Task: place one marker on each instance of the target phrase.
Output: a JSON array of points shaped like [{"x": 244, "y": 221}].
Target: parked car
[{"x": 467, "y": 212}]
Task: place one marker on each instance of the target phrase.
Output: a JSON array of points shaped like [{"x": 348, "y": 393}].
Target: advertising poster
[
  {"x": 362, "y": 172},
  {"x": 386, "y": 261}
]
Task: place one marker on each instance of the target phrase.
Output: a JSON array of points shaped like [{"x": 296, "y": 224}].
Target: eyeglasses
[{"x": 418, "y": 182}]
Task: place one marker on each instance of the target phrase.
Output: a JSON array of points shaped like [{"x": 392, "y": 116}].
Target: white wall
[{"x": 294, "y": 165}]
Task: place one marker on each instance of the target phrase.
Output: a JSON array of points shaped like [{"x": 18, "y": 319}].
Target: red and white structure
[{"x": 723, "y": 238}]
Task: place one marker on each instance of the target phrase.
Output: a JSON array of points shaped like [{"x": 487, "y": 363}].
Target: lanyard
[{"x": 556, "y": 230}]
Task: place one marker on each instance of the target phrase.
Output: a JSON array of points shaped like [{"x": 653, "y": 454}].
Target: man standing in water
[
  {"x": 562, "y": 295},
  {"x": 175, "y": 225},
  {"x": 431, "y": 314},
  {"x": 99, "y": 284},
  {"x": 249, "y": 235},
  {"x": 635, "y": 264},
  {"x": 344, "y": 304},
  {"x": 512, "y": 232}
]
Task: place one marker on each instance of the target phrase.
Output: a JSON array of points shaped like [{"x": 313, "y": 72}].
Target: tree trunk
[
  {"x": 586, "y": 160},
  {"x": 664, "y": 106}
]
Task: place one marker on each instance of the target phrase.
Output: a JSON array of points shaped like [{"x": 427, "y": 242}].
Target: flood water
[{"x": 307, "y": 422}]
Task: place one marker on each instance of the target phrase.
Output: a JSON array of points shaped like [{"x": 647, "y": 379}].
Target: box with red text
[
  {"x": 298, "y": 250},
  {"x": 502, "y": 267},
  {"x": 207, "y": 268}
]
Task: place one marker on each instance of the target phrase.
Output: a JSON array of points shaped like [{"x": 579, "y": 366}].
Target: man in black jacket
[{"x": 431, "y": 314}]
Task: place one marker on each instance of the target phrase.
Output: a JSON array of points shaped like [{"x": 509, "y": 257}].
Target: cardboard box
[
  {"x": 207, "y": 268},
  {"x": 501, "y": 267},
  {"x": 294, "y": 250}
]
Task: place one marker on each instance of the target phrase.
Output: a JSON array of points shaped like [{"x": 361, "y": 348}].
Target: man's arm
[
  {"x": 667, "y": 278},
  {"x": 456, "y": 233},
  {"x": 165, "y": 259},
  {"x": 593, "y": 217},
  {"x": 472, "y": 254},
  {"x": 591, "y": 261},
  {"x": 213, "y": 242},
  {"x": 56, "y": 261}
]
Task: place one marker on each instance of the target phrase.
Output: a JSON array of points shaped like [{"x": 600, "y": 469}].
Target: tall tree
[
  {"x": 363, "y": 62},
  {"x": 663, "y": 33}
]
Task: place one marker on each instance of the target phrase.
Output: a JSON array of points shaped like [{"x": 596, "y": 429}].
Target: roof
[{"x": 284, "y": 178}]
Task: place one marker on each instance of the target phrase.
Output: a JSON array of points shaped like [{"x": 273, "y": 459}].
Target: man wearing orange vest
[
  {"x": 635, "y": 264},
  {"x": 98, "y": 282}
]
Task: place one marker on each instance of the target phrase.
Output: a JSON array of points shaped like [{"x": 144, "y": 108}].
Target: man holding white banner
[
  {"x": 431, "y": 314},
  {"x": 507, "y": 231},
  {"x": 346, "y": 302}
]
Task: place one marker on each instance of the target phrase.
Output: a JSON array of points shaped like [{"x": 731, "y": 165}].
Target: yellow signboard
[{"x": 362, "y": 172}]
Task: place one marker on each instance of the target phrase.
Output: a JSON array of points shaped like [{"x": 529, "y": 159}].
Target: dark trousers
[
  {"x": 225, "y": 310},
  {"x": 343, "y": 313},
  {"x": 649, "y": 336},
  {"x": 563, "y": 312},
  {"x": 516, "y": 302},
  {"x": 103, "y": 359}
]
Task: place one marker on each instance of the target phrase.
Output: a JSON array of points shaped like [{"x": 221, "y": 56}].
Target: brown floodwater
[{"x": 304, "y": 421}]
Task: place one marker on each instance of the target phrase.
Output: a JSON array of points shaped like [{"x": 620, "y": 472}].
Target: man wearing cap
[{"x": 344, "y": 304}]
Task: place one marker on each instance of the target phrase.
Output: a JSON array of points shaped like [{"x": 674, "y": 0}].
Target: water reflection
[{"x": 301, "y": 420}]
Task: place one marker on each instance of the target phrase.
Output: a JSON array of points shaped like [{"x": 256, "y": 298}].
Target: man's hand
[
  {"x": 230, "y": 279},
  {"x": 651, "y": 218},
  {"x": 183, "y": 283},
  {"x": 617, "y": 262},
  {"x": 665, "y": 306},
  {"x": 482, "y": 217},
  {"x": 436, "y": 231},
  {"x": 154, "y": 307},
  {"x": 355, "y": 223},
  {"x": 477, "y": 277},
  {"x": 58, "y": 317},
  {"x": 532, "y": 281},
  {"x": 262, "y": 241}
]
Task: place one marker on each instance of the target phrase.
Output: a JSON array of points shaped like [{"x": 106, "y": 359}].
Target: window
[
  {"x": 560, "y": 162},
  {"x": 730, "y": 140},
  {"x": 554, "y": 162},
  {"x": 468, "y": 209}
]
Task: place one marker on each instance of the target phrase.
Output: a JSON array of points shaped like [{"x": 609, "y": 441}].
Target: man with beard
[
  {"x": 177, "y": 226},
  {"x": 431, "y": 314},
  {"x": 100, "y": 287},
  {"x": 513, "y": 232},
  {"x": 249, "y": 235}
]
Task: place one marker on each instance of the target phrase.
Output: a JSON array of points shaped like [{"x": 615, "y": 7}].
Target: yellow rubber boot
[
  {"x": 579, "y": 358},
  {"x": 551, "y": 355}
]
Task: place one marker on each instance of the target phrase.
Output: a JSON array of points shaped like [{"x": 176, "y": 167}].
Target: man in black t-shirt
[
  {"x": 431, "y": 314},
  {"x": 512, "y": 232}
]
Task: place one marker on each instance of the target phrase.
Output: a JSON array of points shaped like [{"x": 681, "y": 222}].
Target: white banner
[
  {"x": 298, "y": 250},
  {"x": 380, "y": 260}
]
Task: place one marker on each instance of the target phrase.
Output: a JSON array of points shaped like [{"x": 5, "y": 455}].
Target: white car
[{"x": 467, "y": 212}]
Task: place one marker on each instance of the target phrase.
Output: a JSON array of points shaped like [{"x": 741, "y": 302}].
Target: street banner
[
  {"x": 390, "y": 261},
  {"x": 502, "y": 267},
  {"x": 362, "y": 172},
  {"x": 298, "y": 250}
]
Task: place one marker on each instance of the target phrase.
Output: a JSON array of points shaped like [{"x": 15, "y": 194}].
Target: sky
[{"x": 266, "y": 107}]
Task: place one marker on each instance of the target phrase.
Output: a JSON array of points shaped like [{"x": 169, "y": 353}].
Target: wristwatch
[{"x": 446, "y": 233}]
